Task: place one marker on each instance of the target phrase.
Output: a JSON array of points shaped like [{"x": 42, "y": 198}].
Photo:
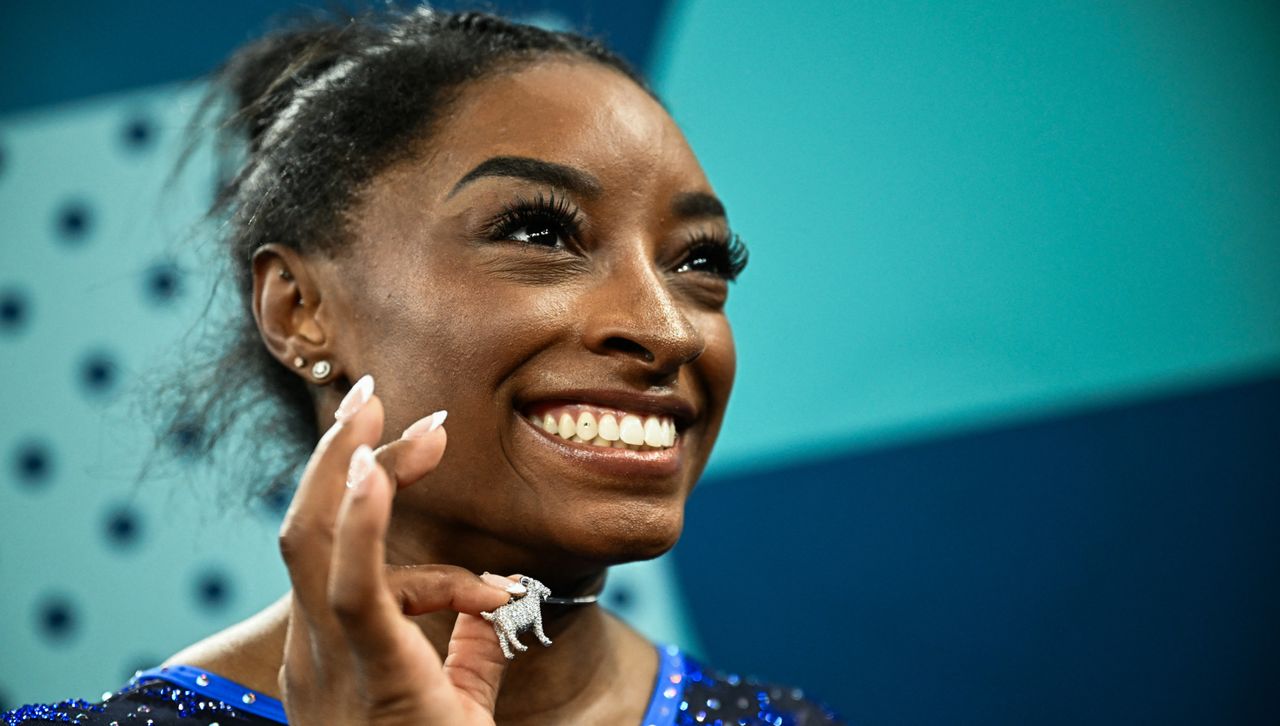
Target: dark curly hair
[{"x": 305, "y": 118}]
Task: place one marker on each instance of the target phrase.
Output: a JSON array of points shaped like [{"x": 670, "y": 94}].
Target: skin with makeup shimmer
[{"x": 454, "y": 296}]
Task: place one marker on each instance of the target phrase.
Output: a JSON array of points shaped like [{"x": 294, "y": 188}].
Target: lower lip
[{"x": 608, "y": 460}]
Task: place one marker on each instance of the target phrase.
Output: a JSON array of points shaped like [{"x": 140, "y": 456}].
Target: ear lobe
[{"x": 284, "y": 305}]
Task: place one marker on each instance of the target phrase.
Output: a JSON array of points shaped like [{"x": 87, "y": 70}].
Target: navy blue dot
[
  {"x": 213, "y": 589},
  {"x": 14, "y": 309},
  {"x": 138, "y": 132},
  {"x": 163, "y": 282},
  {"x": 620, "y": 597},
  {"x": 185, "y": 438},
  {"x": 74, "y": 221},
  {"x": 32, "y": 463},
  {"x": 276, "y": 500},
  {"x": 122, "y": 526},
  {"x": 98, "y": 373},
  {"x": 56, "y": 618}
]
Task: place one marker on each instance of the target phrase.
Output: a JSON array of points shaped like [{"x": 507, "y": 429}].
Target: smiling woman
[{"x": 501, "y": 223}]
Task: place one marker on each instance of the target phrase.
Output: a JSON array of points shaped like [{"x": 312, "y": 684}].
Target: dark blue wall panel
[
  {"x": 60, "y": 51},
  {"x": 1115, "y": 566}
]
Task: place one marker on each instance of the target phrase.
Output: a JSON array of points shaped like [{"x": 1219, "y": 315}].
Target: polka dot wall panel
[{"x": 103, "y": 271}]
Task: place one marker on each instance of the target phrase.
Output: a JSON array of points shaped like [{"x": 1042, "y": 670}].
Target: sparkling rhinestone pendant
[{"x": 518, "y": 615}]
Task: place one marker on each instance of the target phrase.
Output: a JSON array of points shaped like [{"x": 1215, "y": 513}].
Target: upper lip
[{"x": 681, "y": 410}]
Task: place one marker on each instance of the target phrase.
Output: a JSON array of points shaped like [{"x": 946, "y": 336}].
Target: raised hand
[{"x": 352, "y": 656}]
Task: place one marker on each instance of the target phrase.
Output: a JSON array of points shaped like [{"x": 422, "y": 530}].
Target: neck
[
  {"x": 581, "y": 665},
  {"x": 593, "y": 656}
]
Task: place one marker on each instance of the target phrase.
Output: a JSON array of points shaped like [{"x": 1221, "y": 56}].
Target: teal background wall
[
  {"x": 969, "y": 213},
  {"x": 1009, "y": 356}
]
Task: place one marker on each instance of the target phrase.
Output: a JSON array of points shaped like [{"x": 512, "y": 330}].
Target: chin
[{"x": 625, "y": 532}]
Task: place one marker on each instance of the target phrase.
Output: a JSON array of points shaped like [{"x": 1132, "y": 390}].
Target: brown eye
[
  {"x": 703, "y": 259},
  {"x": 538, "y": 233},
  {"x": 722, "y": 258},
  {"x": 549, "y": 222}
]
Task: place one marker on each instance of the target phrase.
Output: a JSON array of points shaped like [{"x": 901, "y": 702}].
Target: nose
[{"x": 633, "y": 316}]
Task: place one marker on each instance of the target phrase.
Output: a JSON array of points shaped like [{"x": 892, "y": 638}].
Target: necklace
[{"x": 582, "y": 600}]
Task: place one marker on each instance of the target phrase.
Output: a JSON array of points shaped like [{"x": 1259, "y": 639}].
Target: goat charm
[{"x": 519, "y": 615}]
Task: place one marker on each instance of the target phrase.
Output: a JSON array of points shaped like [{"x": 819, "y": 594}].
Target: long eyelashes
[
  {"x": 553, "y": 222},
  {"x": 543, "y": 218},
  {"x": 723, "y": 256}
]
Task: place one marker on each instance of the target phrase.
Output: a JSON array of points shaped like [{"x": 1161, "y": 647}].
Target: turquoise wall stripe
[{"x": 963, "y": 213}]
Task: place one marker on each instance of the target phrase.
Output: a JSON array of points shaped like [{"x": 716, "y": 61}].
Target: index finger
[{"x": 307, "y": 533}]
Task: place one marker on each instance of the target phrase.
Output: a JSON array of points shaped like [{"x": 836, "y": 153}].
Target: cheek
[
  {"x": 719, "y": 362},
  {"x": 494, "y": 328},
  {"x": 458, "y": 336}
]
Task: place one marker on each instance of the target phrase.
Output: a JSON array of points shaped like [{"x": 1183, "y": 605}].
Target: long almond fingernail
[
  {"x": 361, "y": 468},
  {"x": 424, "y": 425},
  {"x": 503, "y": 583},
  {"x": 355, "y": 399}
]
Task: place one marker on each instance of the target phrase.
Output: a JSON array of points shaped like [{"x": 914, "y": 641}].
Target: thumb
[
  {"x": 475, "y": 663},
  {"x": 417, "y": 452}
]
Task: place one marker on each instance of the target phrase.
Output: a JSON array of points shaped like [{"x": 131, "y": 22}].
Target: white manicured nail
[
  {"x": 425, "y": 425},
  {"x": 361, "y": 468},
  {"x": 355, "y": 399},
  {"x": 503, "y": 583}
]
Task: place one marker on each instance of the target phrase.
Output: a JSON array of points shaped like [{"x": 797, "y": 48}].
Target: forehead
[{"x": 569, "y": 111}]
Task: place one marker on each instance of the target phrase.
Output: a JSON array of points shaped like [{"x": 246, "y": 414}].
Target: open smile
[
  {"x": 629, "y": 460},
  {"x": 605, "y": 427}
]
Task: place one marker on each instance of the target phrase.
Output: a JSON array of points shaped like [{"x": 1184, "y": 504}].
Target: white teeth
[
  {"x": 567, "y": 427},
  {"x": 632, "y": 429},
  {"x": 653, "y": 435},
  {"x": 608, "y": 429},
  {"x": 626, "y": 431},
  {"x": 586, "y": 426}
]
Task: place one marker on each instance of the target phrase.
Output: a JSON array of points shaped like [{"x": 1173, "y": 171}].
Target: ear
[{"x": 286, "y": 302}]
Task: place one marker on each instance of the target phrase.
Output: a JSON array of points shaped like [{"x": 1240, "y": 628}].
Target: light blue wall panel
[{"x": 104, "y": 271}]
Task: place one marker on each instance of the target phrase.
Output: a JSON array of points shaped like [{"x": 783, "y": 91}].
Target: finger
[
  {"x": 368, "y": 599},
  {"x": 357, "y": 592},
  {"x": 475, "y": 663},
  {"x": 423, "y": 589},
  {"x": 417, "y": 452},
  {"x": 306, "y": 535}
]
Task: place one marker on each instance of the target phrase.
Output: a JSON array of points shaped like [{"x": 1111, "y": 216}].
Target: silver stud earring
[
  {"x": 299, "y": 362},
  {"x": 321, "y": 370}
]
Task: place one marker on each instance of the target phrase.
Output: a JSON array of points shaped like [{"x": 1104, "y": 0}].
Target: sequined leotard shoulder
[{"x": 686, "y": 693}]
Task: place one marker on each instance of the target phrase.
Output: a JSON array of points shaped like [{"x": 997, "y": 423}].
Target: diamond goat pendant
[{"x": 519, "y": 615}]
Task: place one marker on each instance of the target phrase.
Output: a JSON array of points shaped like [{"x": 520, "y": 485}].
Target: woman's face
[{"x": 535, "y": 260}]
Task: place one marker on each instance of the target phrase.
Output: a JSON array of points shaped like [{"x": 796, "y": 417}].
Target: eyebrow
[
  {"x": 534, "y": 170},
  {"x": 689, "y": 205},
  {"x": 697, "y": 204}
]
